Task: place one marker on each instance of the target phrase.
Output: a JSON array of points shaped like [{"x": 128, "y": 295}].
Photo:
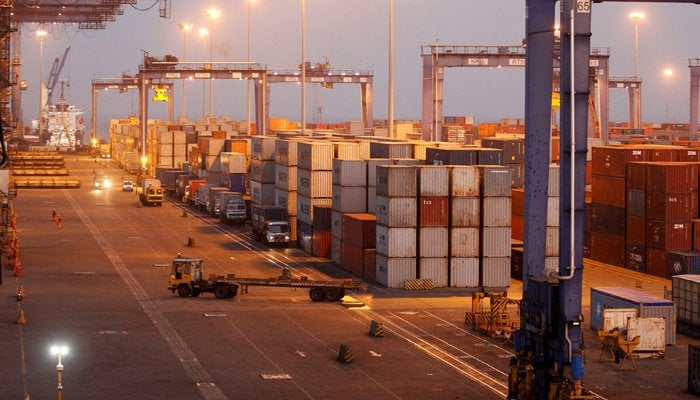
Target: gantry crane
[{"x": 55, "y": 72}]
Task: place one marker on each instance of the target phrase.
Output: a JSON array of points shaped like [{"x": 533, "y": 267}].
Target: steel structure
[
  {"x": 633, "y": 84},
  {"x": 694, "y": 65},
  {"x": 55, "y": 72},
  {"x": 439, "y": 56}
]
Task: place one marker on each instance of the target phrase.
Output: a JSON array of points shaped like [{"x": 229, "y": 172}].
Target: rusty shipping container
[
  {"x": 392, "y": 271},
  {"x": 370, "y": 264},
  {"x": 286, "y": 152},
  {"x": 668, "y": 235},
  {"x": 397, "y": 181},
  {"x": 397, "y": 211},
  {"x": 315, "y": 156},
  {"x": 672, "y": 177},
  {"x": 495, "y": 181},
  {"x": 607, "y": 219},
  {"x": 636, "y": 228},
  {"x": 433, "y": 181},
  {"x": 464, "y": 181},
  {"x": 657, "y": 263},
  {"x": 495, "y": 241},
  {"x": 353, "y": 259},
  {"x": 435, "y": 269},
  {"x": 609, "y": 190},
  {"x": 351, "y": 199},
  {"x": 612, "y": 160},
  {"x": 359, "y": 229},
  {"x": 305, "y": 207},
  {"x": 433, "y": 242},
  {"x": 464, "y": 272},
  {"x": 464, "y": 242},
  {"x": 321, "y": 243},
  {"x": 496, "y": 211},
  {"x": 608, "y": 249},
  {"x": 349, "y": 172},
  {"x": 396, "y": 242},
  {"x": 434, "y": 211},
  {"x": 465, "y": 212},
  {"x": 517, "y": 202},
  {"x": 672, "y": 207},
  {"x": 636, "y": 176}
]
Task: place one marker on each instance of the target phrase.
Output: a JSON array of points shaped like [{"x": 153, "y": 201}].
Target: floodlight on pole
[
  {"x": 59, "y": 351},
  {"x": 212, "y": 14},
  {"x": 185, "y": 27},
  {"x": 667, "y": 73}
]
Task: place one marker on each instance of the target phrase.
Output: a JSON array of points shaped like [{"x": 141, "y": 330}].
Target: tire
[
  {"x": 333, "y": 295},
  {"x": 316, "y": 294},
  {"x": 196, "y": 292},
  {"x": 232, "y": 291},
  {"x": 183, "y": 290},
  {"x": 221, "y": 292}
]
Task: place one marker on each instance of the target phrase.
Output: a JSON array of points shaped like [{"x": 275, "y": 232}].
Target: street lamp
[
  {"x": 637, "y": 16},
  {"x": 212, "y": 14},
  {"x": 667, "y": 73},
  {"x": 391, "y": 68},
  {"x": 248, "y": 80},
  {"x": 204, "y": 34},
  {"x": 186, "y": 27},
  {"x": 59, "y": 351},
  {"x": 41, "y": 34},
  {"x": 303, "y": 67}
]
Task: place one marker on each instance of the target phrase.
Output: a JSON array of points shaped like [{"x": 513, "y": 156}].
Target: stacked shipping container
[
  {"x": 286, "y": 182},
  {"x": 495, "y": 238},
  {"x": 262, "y": 176},
  {"x": 433, "y": 224},
  {"x": 465, "y": 221},
  {"x": 314, "y": 186}
]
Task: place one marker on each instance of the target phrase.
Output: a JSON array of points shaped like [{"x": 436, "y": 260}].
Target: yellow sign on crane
[
  {"x": 556, "y": 101},
  {"x": 160, "y": 94}
]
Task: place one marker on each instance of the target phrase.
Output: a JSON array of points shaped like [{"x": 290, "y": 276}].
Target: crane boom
[{"x": 56, "y": 69}]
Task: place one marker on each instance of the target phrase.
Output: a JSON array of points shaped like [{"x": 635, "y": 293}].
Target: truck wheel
[
  {"x": 196, "y": 292},
  {"x": 232, "y": 291},
  {"x": 333, "y": 295},
  {"x": 221, "y": 292},
  {"x": 183, "y": 290},
  {"x": 316, "y": 294}
]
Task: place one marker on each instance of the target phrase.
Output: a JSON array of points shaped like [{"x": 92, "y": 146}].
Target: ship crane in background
[{"x": 54, "y": 74}]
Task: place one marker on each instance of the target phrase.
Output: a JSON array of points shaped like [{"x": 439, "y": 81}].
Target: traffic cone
[
  {"x": 20, "y": 319},
  {"x": 376, "y": 329},
  {"x": 20, "y": 293},
  {"x": 345, "y": 354}
]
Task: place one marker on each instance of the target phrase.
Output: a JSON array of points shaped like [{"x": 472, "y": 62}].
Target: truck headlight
[{"x": 107, "y": 184}]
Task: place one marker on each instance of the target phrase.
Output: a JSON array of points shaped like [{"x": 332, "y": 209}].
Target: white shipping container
[
  {"x": 552, "y": 211},
  {"x": 315, "y": 156},
  {"x": 372, "y": 165},
  {"x": 286, "y": 199},
  {"x": 464, "y": 242},
  {"x": 435, "y": 269},
  {"x": 263, "y": 147},
  {"x": 396, "y": 211},
  {"x": 552, "y": 241},
  {"x": 434, "y": 180},
  {"x": 464, "y": 181},
  {"x": 397, "y": 181},
  {"x": 495, "y": 180},
  {"x": 337, "y": 224},
  {"x": 166, "y": 161},
  {"x": 495, "y": 241},
  {"x": 336, "y": 250},
  {"x": 396, "y": 242},
  {"x": 213, "y": 163},
  {"x": 165, "y": 137},
  {"x": 179, "y": 150},
  {"x": 179, "y": 137},
  {"x": 433, "y": 241},
  {"x": 464, "y": 272},
  {"x": 496, "y": 211},
  {"x": 262, "y": 193},
  {"x": 305, "y": 207},
  {"x": 315, "y": 184},
  {"x": 346, "y": 150},
  {"x": 215, "y": 146},
  {"x": 263, "y": 171},
  {"x": 651, "y": 332},
  {"x": 495, "y": 272},
  {"x": 553, "y": 183},
  {"x": 465, "y": 212},
  {"x": 286, "y": 177},
  {"x": 372, "y": 200},
  {"x": 349, "y": 172},
  {"x": 165, "y": 150},
  {"x": 350, "y": 199},
  {"x": 286, "y": 152},
  {"x": 364, "y": 149},
  {"x": 393, "y": 271}
]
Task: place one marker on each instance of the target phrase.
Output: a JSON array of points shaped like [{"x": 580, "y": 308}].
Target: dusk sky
[{"x": 354, "y": 35}]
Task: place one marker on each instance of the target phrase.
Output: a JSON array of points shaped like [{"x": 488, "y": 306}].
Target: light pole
[
  {"x": 248, "y": 80},
  {"x": 667, "y": 73},
  {"x": 637, "y": 16},
  {"x": 186, "y": 27},
  {"x": 212, "y": 13},
  {"x": 41, "y": 34},
  {"x": 391, "y": 68},
  {"x": 204, "y": 34},
  {"x": 303, "y": 67},
  {"x": 59, "y": 351}
]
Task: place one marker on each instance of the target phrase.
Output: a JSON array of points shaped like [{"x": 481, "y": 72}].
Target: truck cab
[
  {"x": 236, "y": 211},
  {"x": 102, "y": 181},
  {"x": 187, "y": 279},
  {"x": 276, "y": 232}
]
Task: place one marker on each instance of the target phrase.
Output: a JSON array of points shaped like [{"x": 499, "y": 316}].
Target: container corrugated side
[
  {"x": 464, "y": 181},
  {"x": 621, "y": 297},
  {"x": 263, "y": 147},
  {"x": 349, "y": 172},
  {"x": 392, "y": 271},
  {"x": 496, "y": 211},
  {"x": 315, "y": 184},
  {"x": 336, "y": 250},
  {"x": 285, "y": 177},
  {"x": 464, "y": 272},
  {"x": 315, "y": 156},
  {"x": 396, "y": 211},
  {"x": 668, "y": 235},
  {"x": 353, "y": 258},
  {"x": 495, "y": 181},
  {"x": 552, "y": 211},
  {"x": 652, "y": 332},
  {"x": 433, "y": 242},
  {"x": 397, "y": 181},
  {"x": 396, "y": 242},
  {"x": 337, "y": 224},
  {"x": 671, "y": 177},
  {"x": 553, "y": 182},
  {"x": 495, "y": 272},
  {"x": 435, "y": 269},
  {"x": 433, "y": 180},
  {"x": 262, "y": 193},
  {"x": 390, "y": 150},
  {"x": 672, "y": 207},
  {"x": 372, "y": 200},
  {"x": 305, "y": 207},
  {"x": 495, "y": 242},
  {"x": 286, "y": 152},
  {"x": 287, "y": 199},
  {"x": 464, "y": 242},
  {"x": 686, "y": 296},
  {"x": 465, "y": 212},
  {"x": 636, "y": 202},
  {"x": 350, "y": 199},
  {"x": 552, "y": 241},
  {"x": 682, "y": 262},
  {"x": 360, "y": 229},
  {"x": 292, "y": 222},
  {"x": 346, "y": 150},
  {"x": 372, "y": 169},
  {"x": 322, "y": 218},
  {"x": 434, "y": 210}
]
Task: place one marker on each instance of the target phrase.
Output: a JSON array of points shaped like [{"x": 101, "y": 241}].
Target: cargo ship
[{"x": 66, "y": 126}]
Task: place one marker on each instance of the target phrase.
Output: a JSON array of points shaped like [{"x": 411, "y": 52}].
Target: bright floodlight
[
  {"x": 637, "y": 15},
  {"x": 41, "y": 33},
  {"x": 60, "y": 350},
  {"x": 186, "y": 27},
  {"x": 213, "y": 13},
  {"x": 668, "y": 72},
  {"x": 203, "y": 32}
]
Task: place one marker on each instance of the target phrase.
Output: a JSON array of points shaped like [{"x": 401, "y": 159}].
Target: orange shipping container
[
  {"x": 353, "y": 259},
  {"x": 370, "y": 264},
  {"x": 517, "y": 227},
  {"x": 322, "y": 244}
]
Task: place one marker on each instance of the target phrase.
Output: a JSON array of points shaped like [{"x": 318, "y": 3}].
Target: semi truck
[
  {"x": 151, "y": 192},
  {"x": 187, "y": 279},
  {"x": 269, "y": 224},
  {"x": 213, "y": 206},
  {"x": 234, "y": 209},
  {"x": 193, "y": 189}
]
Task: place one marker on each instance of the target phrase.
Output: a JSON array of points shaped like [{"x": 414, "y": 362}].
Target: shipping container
[
  {"x": 636, "y": 229},
  {"x": 337, "y": 224},
  {"x": 672, "y": 177},
  {"x": 322, "y": 217},
  {"x": 696, "y": 233},
  {"x": 686, "y": 296},
  {"x": 262, "y": 193},
  {"x": 433, "y": 242},
  {"x": 462, "y": 156},
  {"x": 336, "y": 250},
  {"x": 671, "y": 207},
  {"x": 262, "y": 171},
  {"x": 397, "y": 181},
  {"x": 657, "y": 264},
  {"x": 636, "y": 202},
  {"x": 390, "y": 150},
  {"x": 359, "y": 229},
  {"x": 609, "y": 190},
  {"x": 305, "y": 236},
  {"x": 608, "y": 249},
  {"x": 372, "y": 200},
  {"x": 396, "y": 211},
  {"x": 286, "y": 177},
  {"x": 435, "y": 269},
  {"x": 315, "y": 184},
  {"x": 396, "y": 242},
  {"x": 464, "y": 272},
  {"x": 693, "y": 369},
  {"x": 489, "y": 156},
  {"x": 370, "y": 264},
  {"x": 372, "y": 169},
  {"x": 321, "y": 243},
  {"x": 617, "y": 318},
  {"x": 496, "y": 211},
  {"x": 263, "y": 147},
  {"x": 636, "y": 257},
  {"x": 513, "y": 148},
  {"x": 518, "y": 202},
  {"x": 637, "y": 176},
  {"x": 434, "y": 181},
  {"x": 315, "y": 156},
  {"x": 662, "y": 153},
  {"x": 353, "y": 258},
  {"x": 682, "y": 263},
  {"x": 551, "y": 248},
  {"x": 646, "y": 304},
  {"x": 607, "y": 219},
  {"x": 688, "y": 155},
  {"x": 495, "y": 272},
  {"x": 464, "y": 181},
  {"x": 464, "y": 242},
  {"x": 612, "y": 160},
  {"x": 351, "y": 199},
  {"x": 668, "y": 235},
  {"x": 392, "y": 271},
  {"x": 346, "y": 150},
  {"x": 494, "y": 181},
  {"x": 237, "y": 182},
  {"x": 305, "y": 207},
  {"x": 349, "y": 172},
  {"x": 286, "y": 152},
  {"x": 495, "y": 242},
  {"x": 434, "y": 211}
]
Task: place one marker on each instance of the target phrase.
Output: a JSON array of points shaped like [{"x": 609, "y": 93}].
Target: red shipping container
[
  {"x": 696, "y": 234},
  {"x": 608, "y": 249},
  {"x": 689, "y": 155},
  {"x": 636, "y": 227},
  {"x": 668, "y": 235},
  {"x": 321, "y": 246},
  {"x": 609, "y": 190},
  {"x": 663, "y": 153},
  {"x": 518, "y": 202},
  {"x": 671, "y": 207},
  {"x": 360, "y": 229},
  {"x": 656, "y": 262},
  {"x": 370, "y": 264},
  {"x": 636, "y": 175},
  {"x": 612, "y": 160},
  {"x": 517, "y": 227},
  {"x": 353, "y": 258},
  {"x": 434, "y": 210},
  {"x": 672, "y": 177}
]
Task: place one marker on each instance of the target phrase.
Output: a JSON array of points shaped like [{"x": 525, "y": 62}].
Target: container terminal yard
[{"x": 438, "y": 258}]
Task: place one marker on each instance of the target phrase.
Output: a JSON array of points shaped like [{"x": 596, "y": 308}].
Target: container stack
[
  {"x": 321, "y": 235},
  {"x": 465, "y": 220},
  {"x": 552, "y": 236},
  {"x": 170, "y": 146},
  {"x": 635, "y": 251},
  {"x": 358, "y": 244},
  {"x": 396, "y": 225},
  {"x": 372, "y": 165},
  {"x": 495, "y": 238},
  {"x": 349, "y": 196},
  {"x": 685, "y": 297},
  {"x": 262, "y": 177},
  {"x": 433, "y": 224},
  {"x": 513, "y": 156},
  {"x": 210, "y": 152},
  {"x": 314, "y": 184},
  {"x": 233, "y": 171},
  {"x": 286, "y": 181}
]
